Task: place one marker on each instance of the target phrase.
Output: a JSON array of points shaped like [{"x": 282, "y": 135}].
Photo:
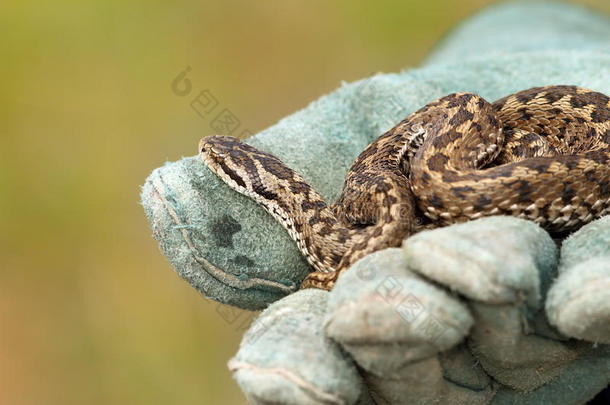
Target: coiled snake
[{"x": 542, "y": 154}]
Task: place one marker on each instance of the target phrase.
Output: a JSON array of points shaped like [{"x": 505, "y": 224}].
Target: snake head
[
  {"x": 217, "y": 147},
  {"x": 221, "y": 154}
]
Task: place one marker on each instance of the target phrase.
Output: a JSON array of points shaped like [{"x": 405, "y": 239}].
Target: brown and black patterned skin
[{"x": 542, "y": 154}]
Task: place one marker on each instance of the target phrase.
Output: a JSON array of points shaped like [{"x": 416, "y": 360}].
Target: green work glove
[{"x": 490, "y": 311}]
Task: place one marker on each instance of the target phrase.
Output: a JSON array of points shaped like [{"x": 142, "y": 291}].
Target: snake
[{"x": 541, "y": 154}]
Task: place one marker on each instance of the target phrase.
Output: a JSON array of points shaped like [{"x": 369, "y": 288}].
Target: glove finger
[
  {"x": 578, "y": 303},
  {"x": 285, "y": 357}
]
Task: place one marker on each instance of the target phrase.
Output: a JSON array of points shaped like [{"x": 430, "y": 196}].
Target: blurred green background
[{"x": 90, "y": 311}]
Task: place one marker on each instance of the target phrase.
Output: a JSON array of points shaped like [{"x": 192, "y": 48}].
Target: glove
[{"x": 490, "y": 311}]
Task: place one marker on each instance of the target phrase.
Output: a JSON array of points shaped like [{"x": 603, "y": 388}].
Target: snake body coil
[{"x": 542, "y": 154}]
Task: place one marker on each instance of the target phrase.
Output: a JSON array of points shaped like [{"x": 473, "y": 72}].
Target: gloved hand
[{"x": 491, "y": 311}]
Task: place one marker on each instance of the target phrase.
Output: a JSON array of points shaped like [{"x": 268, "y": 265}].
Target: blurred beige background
[{"x": 90, "y": 311}]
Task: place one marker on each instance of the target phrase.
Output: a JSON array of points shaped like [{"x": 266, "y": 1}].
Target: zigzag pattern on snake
[{"x": 542, "y": 154}]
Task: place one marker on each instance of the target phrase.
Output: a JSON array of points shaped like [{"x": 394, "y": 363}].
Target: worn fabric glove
[{"x": 491, "y": 311}]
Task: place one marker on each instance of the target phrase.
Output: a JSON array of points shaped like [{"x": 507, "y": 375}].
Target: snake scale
[{"x": 542, "y": 154}]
